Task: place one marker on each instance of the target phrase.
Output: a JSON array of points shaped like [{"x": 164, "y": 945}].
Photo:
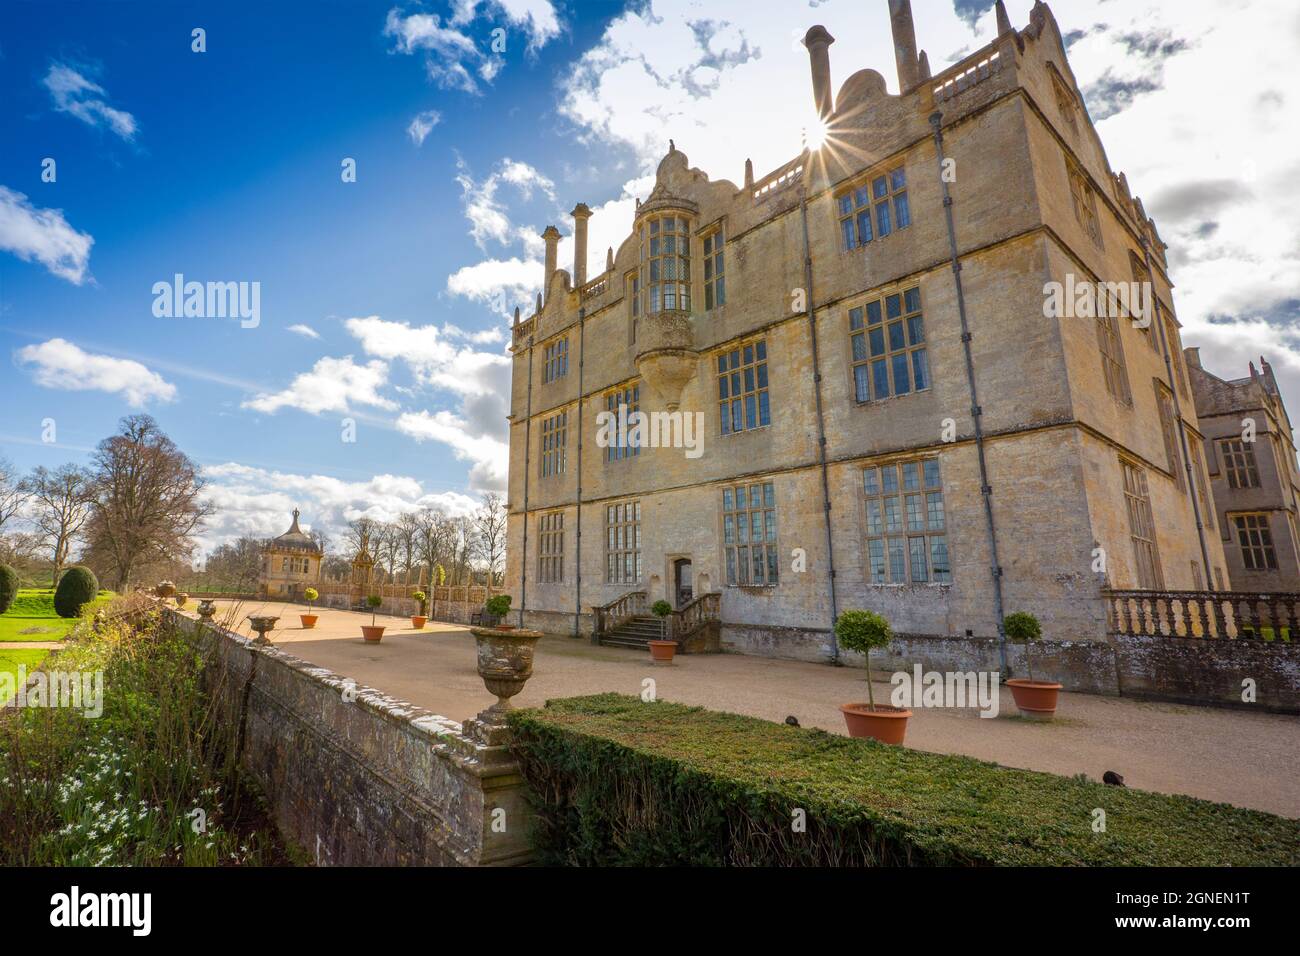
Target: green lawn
[
  {"x": 32, "y": 617},
  {"x": 11, "y": 660}
]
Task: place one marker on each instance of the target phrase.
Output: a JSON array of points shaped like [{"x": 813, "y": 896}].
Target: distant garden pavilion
[{"x": 290, "y": 564}]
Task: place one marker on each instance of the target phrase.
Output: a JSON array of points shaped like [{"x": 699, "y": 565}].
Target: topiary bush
[
  {"x": 77, "y": 587},
  {"x": 661, "y": 609},
  {"x": 8, "y": 587},
  {"x": 861, "y": 631},
  {"x": 1023, "y": 628},
  {"x": 311, "y": 594},
  {"x": 422, "y": 599}
]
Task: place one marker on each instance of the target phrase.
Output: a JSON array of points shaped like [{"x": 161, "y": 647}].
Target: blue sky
[{"x": 225, "y": 166}]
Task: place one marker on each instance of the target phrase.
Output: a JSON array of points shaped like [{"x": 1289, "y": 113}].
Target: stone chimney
[
  {"x": 900, "y": 20},
  {"x": 1192, "y": 355},
  {"x": 552, "y": 239},
  {"x": 818, "y": 42},
  {"x": 580, "y": 216}
]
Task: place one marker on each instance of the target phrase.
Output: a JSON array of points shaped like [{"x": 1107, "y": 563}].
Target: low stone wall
[
  {"x": 1179, "y": 669},
  {"x": 1200, "y": 671},
  {"x": 357, "y": 778}
]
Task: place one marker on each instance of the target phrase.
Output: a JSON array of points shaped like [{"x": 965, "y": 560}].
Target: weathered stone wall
[
  {"x": 357, "y": 778},
  {"x": 1209, "y": 671}
]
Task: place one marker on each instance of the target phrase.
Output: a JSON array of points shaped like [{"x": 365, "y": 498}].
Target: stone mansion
[{"x": 889, "y": 421}]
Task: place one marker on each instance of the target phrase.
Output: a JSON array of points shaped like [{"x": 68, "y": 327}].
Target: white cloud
[
  {"x": 44, "y": 236},
  {"x": 452, "y": 58},
  {"x": 440, "y": 358},
  {"x": 304, "y": 330},
  {"x": 78, "y": 96},
  {"x": 422, "y": 125},
  {"x": 500, "y": 284},
  {"x": 332, "y": 385},
  {"x": 483, "y": 207},
  {"x": 490, "y": 456},
  {"x": 62, "y": 365},
  {"x": 257, "y": 502}
]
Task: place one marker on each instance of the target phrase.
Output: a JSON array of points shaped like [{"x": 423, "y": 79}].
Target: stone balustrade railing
[
  {"x": 611, "y": 615},
  {"x": 685, "y": 621},
  {"x": 1234, "y": 615}
]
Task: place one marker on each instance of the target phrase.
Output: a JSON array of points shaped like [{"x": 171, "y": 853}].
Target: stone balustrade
[{"x": 1237, "y": 615}]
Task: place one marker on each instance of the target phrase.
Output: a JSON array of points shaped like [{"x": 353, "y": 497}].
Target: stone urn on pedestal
[
  {"x": 207, "y": 610},
  {"x": 164, "y": 589},
  {"x": 505, "y": 662},
  {"x": 261, "y": 625}
]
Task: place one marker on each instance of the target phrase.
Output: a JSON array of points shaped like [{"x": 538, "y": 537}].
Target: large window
[
  {"x": 1239, "y": 463},
  {"x": 888, "y": 342},
  {"x": 749, "y": 534},
  {"x": 623, "y": 543},
  {"x": 1256, "y": 540},
  {"x": 715, "y": 280},
  {"x": 1141, "y": 527},
  {"x": 550, "y": 548},
  {"x": 907, "y": 540},
  {"x": 874, "y": 209},
  {"x": 1196, "y": 449},
  {"x": 1085, "y": 202},
  {"x": 633, "y": 286},
  {"x": 742, "y": 388},
  {"x": 557, "y": 360},
  {"x": 555, "y": 433},
  {"x": 630, "y": 399},
  {"x": 1065, "y": 101},
  {"x": 1168, "y": 429},
  {"x": 1112, "y": 359},
  {"x": 666, "y": 264}
]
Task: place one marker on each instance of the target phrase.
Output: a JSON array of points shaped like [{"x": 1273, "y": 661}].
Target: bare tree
[
  {"x": 406, "y": 529},
  {"x": 147, "y": 500},
  {"x": 63, "y": 501},
  {"x": 435, "y": 540},
  {"x": 360, "y": 531},
  {"x": 235, "y": 566},
  {"x": 13, "y": 493},
  {"x": 490, "y": 531},
  {"x": 466, "y": 548}
]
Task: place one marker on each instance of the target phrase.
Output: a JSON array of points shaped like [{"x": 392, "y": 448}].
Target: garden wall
[{"x": 357, "y": 778}]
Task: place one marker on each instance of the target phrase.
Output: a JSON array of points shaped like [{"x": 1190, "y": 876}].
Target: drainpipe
[
  {"x": 977, "y": 413},
  {"x": 821, "y": 419},
  {"x": 528, "y": 431},
  {"x": 1192, "y": 485},
  {"x": 577, "y": 558}
]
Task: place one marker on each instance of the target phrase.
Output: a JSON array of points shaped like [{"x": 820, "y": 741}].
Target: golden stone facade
[
  {"x": 290, "y": 564},
  {"x": 884, "y": 405}
]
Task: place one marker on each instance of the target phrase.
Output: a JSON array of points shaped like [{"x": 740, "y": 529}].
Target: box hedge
[{"x": 615, "y": 781}]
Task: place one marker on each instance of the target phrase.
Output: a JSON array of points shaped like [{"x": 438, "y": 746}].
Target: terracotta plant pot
[
  {"x": 372, "y": 634},
  {"x": 662, "y": 651},
  {"x": 418, "y": 622},
  {"x": 886, "y": 724},
  {"x": 1035, "y": 699},
  {"x": 308, "y": 620}
]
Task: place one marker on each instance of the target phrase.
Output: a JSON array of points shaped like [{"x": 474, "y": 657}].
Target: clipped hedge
[
  {"x": 615, "y": 781},
  {"x": 77, "y": 587},
  {"x": 8, "y": 587}
]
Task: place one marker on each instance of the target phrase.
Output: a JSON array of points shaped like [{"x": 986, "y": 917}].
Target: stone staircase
[{"x": 635, "y": 632}]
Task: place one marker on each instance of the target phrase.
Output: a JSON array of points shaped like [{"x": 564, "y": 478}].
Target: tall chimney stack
[
  {"x": 580, "y": 216},
  {"x": 818, "y": 42},
  {"x": 1004, "y": 21},
  {"x": 900, "y": 20},
  {"x": 552, "y": 238}
]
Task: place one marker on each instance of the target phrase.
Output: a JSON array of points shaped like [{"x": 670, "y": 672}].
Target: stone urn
[
  {"x": 261, "y": 625},
  {"x": 505, "y": 662},
  {"x": 165, "y": 589},
  {"x": 181, "y": 599},
  {"x": 207, "y": 610}
]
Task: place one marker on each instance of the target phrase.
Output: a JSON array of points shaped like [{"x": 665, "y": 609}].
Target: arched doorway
[{"x": 683, "y": 582}]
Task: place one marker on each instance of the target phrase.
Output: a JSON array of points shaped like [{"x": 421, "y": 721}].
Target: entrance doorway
[{"x": 682, "y": 582}]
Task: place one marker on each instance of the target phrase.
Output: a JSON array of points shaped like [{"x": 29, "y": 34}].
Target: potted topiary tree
[
  {"x": 374, "y": 633},
  {"x": 862, "y": 631},
  {"x": 311, "y": 617},
  {"x": 498, "y": 606},
  {"x": 662, "y": 651},
  {"x": 418, "y": 620},
  {"x": 1035, "y": 699}
]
